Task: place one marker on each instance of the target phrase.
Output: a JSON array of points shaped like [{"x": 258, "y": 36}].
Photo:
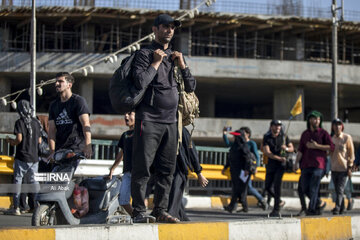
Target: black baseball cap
[
  {"x": 166, "y": 19},
  {"x": 275, "y": 122},
  {"x": 337, "y": 121}
]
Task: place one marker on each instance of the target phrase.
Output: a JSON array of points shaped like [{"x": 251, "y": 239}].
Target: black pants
[
  {"x": 301, "y": 195},
  {"x": 339, "y": 179},
  {"x": 176, "y": 206},
  {"x": 274, "y": 176},
  {"x": 153, "y": 143},
  {"x": 239, "y": 190}
]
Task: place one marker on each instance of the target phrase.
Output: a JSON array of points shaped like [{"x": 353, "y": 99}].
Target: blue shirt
[{"x": 252, "y": 146}]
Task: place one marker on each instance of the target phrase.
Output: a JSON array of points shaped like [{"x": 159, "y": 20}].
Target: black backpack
[
  {"x": 124, "y": 96},
  {"x": 44, "y": 149}
]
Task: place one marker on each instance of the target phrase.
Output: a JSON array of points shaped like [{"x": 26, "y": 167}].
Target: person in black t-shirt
[
  {"x": 275, "y": 147},
  {"x": 69, "y": 124},
  {"x": 126, "y": 146},
  {"x": 28, "y": 138}
]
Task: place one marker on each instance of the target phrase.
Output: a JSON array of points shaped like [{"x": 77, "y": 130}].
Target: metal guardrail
[{"x": 212, "y": 160}]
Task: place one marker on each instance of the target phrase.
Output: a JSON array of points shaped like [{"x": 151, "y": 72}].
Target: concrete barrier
[{"x": 331, "y": 228}]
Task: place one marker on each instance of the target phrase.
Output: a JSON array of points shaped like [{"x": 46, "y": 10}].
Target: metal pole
[
  {"x": 334, "y": 93},
  {"x": 33, "y": 59}
]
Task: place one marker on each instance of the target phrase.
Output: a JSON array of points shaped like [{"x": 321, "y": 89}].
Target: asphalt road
[{"x": 196, "y": 215}]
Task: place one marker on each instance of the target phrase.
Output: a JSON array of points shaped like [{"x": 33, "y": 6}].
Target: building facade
[{"x": 247, "y": 66}]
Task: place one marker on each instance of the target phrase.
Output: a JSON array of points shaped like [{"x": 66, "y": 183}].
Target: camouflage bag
[{"x": 188, "y": 102}]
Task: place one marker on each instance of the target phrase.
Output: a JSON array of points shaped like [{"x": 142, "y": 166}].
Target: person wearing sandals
[
  {"x": 156, "y": 127},
  {"x": 342, "y": 159}
]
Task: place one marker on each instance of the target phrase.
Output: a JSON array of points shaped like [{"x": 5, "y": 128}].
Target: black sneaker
[
  {"x": 342, "y": 210},
  {"x": 262, "y": 204},
  {"x": 335, "y": 211},
  {"x": 312, "y": 212},
  {"x": 274, "y": 213},
  {"x": 301, "y": 213},
  {"x": 350, "y": 204},
  {"x": 144, "y": 218},
  {"x": 245, "y": 210},
  {"x": 322, "y": 206},
  {"x": 227, "y": 208}
]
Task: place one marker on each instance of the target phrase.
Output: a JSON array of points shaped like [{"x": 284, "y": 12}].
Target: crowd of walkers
[{"x": 318, "y": 153}]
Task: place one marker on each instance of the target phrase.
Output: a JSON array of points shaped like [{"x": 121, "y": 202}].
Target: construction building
[{"x": 247, "y": 66}]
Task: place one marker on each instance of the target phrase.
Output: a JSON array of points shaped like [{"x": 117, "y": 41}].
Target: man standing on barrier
[
  {"x": 156, "y": 130},
  {"x": 69, "y": 124},
  {"x": 315, "y": 142},
  {"x": 275, "y": 147}
]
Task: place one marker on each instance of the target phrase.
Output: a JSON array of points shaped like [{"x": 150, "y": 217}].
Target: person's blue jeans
[
  {"x": 254, "y": 192},
  {"x": 310, "y": 180},
  {"x": 125, "y": 189},
  {"x": 21, "y": 169}
]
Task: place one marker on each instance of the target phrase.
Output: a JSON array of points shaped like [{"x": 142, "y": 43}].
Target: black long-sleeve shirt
[{"x": 161, "y": 98}]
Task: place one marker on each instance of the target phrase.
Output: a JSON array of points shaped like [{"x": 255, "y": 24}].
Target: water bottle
[
  {"x": 283, "y": 154},
  {"x": 77, "y": 198}
]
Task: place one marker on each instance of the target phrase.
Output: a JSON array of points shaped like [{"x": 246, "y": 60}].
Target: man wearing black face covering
[{"x": 27, "y": 131}]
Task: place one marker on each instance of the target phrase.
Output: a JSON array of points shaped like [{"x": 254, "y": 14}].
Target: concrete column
[
  {"x": 207, "y": 104},
  {"x": 4, "y": 38},
  {"x": 284, "y": 100},
  {"x": 87, "y": 91},
  {"x": 88, "y": 33},
  {"x": 5, "y": 88},
  {"x": 300, "y": 48}
]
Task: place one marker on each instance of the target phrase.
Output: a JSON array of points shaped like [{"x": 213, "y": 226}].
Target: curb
[
  {"x": 218, "y": 202},
  {"x": 289, "y": 228}
]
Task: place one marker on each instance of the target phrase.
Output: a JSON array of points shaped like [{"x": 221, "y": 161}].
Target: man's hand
[
  {"x": 202, "y": 180},
  {"x": 8, "y": 139},
  {"x": 295, "y": 166},
  {"x": 158, "y": 56},
  {"x": 349, "y": 173},
  {"x": 225, "y": 130},
  {"x": 87, "y": 151},
  {"x": 283, "y": 159},
  {"x": 284, "y": 147},
  {"x": 312, "y": 144},
  {"x": 110, "y": 175},
  {"x": 178, "y": 55},
  {"x": 223, "y": 171},
  {"x": 50, "y": 158}
]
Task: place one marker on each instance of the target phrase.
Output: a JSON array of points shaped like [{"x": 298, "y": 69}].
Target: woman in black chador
[{"x": 187, "y": 159}]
